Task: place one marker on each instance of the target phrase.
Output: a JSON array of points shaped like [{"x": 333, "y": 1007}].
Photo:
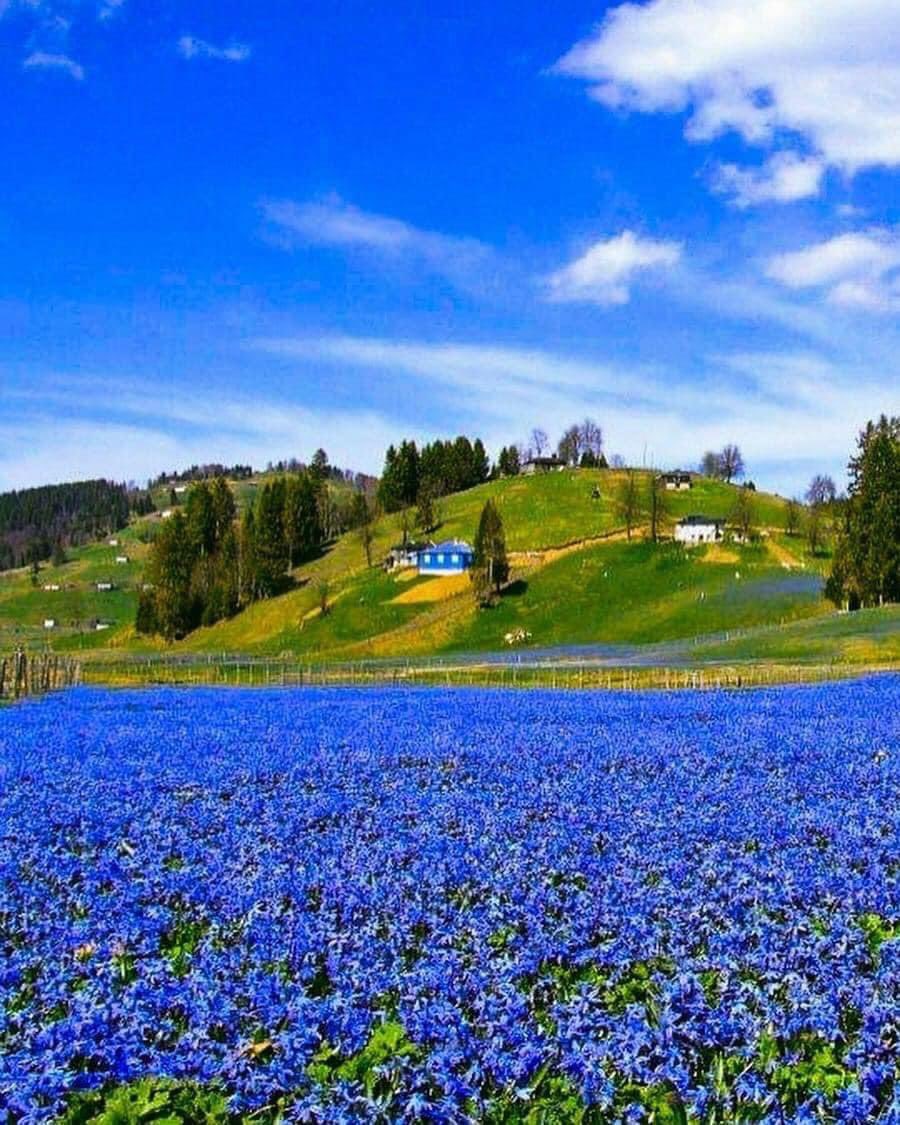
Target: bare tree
[
  {"x": 617, "y": 461},
  {"x": 590, "y": 438},
  {"x": 629, "y": 500},
  {"x": 538, "y": 443},
  {"x": 569, "y": 448},
  {"x": 822, "y": 490},
  {"x": 731, "y": 463}
]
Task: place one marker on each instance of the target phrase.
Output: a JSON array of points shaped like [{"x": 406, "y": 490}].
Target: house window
[
  {"x": 440, "y": 558},
  {"x": 454, "y": 558}
]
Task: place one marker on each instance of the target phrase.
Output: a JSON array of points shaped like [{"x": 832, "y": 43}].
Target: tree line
[
  {"x": 36, "y": 523},
  {"x": 437, "y": 469},
  {"x": 205, "y": 566}
]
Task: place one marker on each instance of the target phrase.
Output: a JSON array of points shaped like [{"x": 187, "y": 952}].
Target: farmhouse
[
  {"x": 677, "y": 481},
  {"x": 453, "y": 556},
  {"x": 51, "y": 587},
  {"x": 404, "y": 555},
  {"x": 536, "y": 465},
  {"x": 699, "y": 529},
  {"x": 114, "y": 542},
  {"x": 121, "y": 559},
  {"x": 105, "y": 586},
  {"x": 49, "y": 622}
]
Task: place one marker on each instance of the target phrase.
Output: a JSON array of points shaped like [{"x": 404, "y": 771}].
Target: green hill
[{"x": 575, "y": 580}]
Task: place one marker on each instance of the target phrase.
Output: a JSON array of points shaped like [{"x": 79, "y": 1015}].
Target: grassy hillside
[{"x": 575, "y": 580}]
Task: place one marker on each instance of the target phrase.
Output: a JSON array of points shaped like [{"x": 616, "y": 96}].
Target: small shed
[
  {"x": 100, "y": 626},
  {"x": 49, "y": 622},
  {"x": 103, "y": 587},
  {"x": 677, "y": 481},
  {"x": 122, "y": 559},
  {"x": 113, "y": 542},
  {"x": 699, "y": 529},
  {"x": 535, "y": 465},
  {"x": 453, "y": 556}
]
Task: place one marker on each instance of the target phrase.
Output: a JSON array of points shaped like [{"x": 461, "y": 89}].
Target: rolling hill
[{"x": 576, "y": 580}]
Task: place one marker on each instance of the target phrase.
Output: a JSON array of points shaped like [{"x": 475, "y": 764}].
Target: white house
[
  {"x": 113, "y": 542},
  {"x": 677, "y": 481},
  {"x": 180, "y": 489},
  {"x": 699, "y": 529},
  {"x": 404, "y": 555},
  {"x": 104, "y": 586},
  {"x": 101, "y": 625},
  {"x": 166, "y": 514},
  {"x": 49, "y": 622},
  {"x": 121, "y": 559},
  {"x": 51, "y": 587}
]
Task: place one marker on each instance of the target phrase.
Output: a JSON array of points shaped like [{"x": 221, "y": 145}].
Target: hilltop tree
[
  {"x": 490, "y": 565},
  {"x": 538, "y": 442},
  {"x": 508, "y": 463},
  {"x": 319, "y": 467},
  {"x": 569, "y": 447},
  {"x": 224, "y": 509},
  {"x": 731, "y": 463},
  {"x": 629, "y": 501},
  {"x": 710, "y": 465},
  {"x": 200, "y": 515}
]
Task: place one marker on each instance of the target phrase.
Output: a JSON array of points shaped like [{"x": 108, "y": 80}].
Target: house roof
[
  {"x": 682, "y": 473},
  {"x": 451, "y": 545},
  {"x": 552, "y": 459},
  {"x": 410, "y": 546},
  {"x": 697, "y": 521}
]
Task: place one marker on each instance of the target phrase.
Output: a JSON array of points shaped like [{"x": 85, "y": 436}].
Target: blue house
[{"x": 453, "y": 556}]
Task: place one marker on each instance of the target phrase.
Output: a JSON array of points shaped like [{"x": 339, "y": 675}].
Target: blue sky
[{"x": 237, "y": 232}]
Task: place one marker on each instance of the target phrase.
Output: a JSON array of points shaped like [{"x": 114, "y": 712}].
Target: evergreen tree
[
  {"x": 508, "y": 464},
  {"x": 223, "y": 507},
  {"x": 481, "y": 465},
  {"x": 302, "y": 517},
  {"x": 145, "y": 622},
  {"x": 248, "y": 585},
  {"x": 425, "y": 512},
  {"x": 200, "y": 514},
  {"x": 270, "y": 544},
  {"x": 866, "y": 568},
  {"x": 490, "y": 565},
  {"x": 170, "y": 572}
]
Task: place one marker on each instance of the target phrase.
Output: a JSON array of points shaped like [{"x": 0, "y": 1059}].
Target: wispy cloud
[
  {"x": 192, "y": 47},
  {"x": 860, "y": 270},
  {"x": 388, "y": 241},
  {"x": 604, "y": 274},
  {"x": 751, "y": 398},
  {"x": 784, "y": 178},
  {"x": 47, "y": 60},
  {"x": 45, "y": 438},
  {"x": 826, "y": 72}
]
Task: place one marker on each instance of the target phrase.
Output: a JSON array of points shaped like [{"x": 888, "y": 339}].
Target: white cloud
[
  {"x": 191, "y": 47},
  {"x": 604, "y": 273},
  {"x": 47, "y": 60},
  {"x": 859, "y": 270},
  {"x": 784, "y": 178},
  {"x": 828, "y": 70},
  {"x": 332, "y": 222}
]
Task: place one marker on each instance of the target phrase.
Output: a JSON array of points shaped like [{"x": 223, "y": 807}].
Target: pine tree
[
  {"x": 170, "y": 572},
  {"x": 490, "y": 566},
  {"x": 271, "y": 549}
]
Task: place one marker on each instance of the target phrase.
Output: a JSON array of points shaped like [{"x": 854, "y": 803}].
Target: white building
[
  {"x": 104, "y": 586},
  {"x": 49, "y": 622},
  {"x": 113, "y": 542},
  {"x": 678, "y": 481},
  {"x": 535, "y": 465},
  {"x": 699, "y": 529},
  {"x": 121, "y": 559},
  {"x": 166, "y": 514},
  {"x": 51, "y": 587}
]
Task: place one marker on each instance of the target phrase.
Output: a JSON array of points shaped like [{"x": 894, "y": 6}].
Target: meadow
[{"x": 447, "y": 906}]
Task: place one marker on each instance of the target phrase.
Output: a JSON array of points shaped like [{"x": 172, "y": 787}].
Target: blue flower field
[{"x": 449, "y": 906}]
